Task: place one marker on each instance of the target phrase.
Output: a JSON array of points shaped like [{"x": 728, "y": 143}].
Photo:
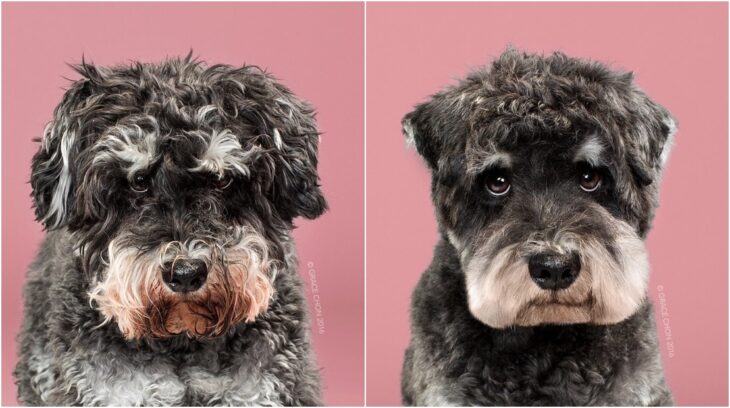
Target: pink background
[
  {"x": 315, "y": 49},
  {"x": 679, "y": 54}
]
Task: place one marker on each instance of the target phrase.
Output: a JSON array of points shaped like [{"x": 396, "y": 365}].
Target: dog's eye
[
  {"x": 140, "y": 183},
  {"x": 498, "y": 182},
  {"x": 589, "y": 178},
  {"x": 223, "y": 183}
]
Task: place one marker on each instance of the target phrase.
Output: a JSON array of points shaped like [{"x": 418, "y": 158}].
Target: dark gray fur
[
  {"x": 539, "y": 109},
  {"x": 67, "y": 356}
]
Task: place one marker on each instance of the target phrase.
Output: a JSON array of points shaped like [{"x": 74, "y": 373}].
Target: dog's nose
[
  {"x": 554, "y": 271},
  {"x": 185, "y": 275}
]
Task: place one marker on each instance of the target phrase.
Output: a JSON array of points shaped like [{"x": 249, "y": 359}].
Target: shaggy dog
[
  {"x": 544, "y": 180},
  {"x": 168, "y": 275}
]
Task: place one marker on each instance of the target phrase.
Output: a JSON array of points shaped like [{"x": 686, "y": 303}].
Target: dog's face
[
  {"x": 545, "y": 174},
  {"x": 180, "y": 183}
]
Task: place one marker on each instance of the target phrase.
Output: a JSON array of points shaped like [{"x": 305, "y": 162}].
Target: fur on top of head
[
  {"x": 261, "y": 117},
  {"x": 522, "y": 97}
]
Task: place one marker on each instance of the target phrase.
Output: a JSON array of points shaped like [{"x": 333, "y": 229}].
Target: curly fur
[
  {"x": 483, "y": 331},
  {"x": 227, "y": 158},
  {"x": 238, "y": 288}
]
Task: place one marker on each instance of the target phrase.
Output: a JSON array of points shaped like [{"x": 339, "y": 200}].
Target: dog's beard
[
  {"x": 237, "y": 288},
  {"x": 609, "y": 288}
]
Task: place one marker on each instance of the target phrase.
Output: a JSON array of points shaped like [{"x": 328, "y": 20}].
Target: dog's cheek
[
  {"x": 619, "y": 282},
  {"x": 134, "y": 322},
  {"x": 244, "y": 294},
  {"x": 458, "y": 208},
  {"x": 131, "y": 285},
  {"x": 242, "y": 290},
  {"x": 498, "y": 287}
]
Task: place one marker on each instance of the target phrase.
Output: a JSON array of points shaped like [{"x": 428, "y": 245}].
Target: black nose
[
  {"x": 554, "y": 271},
  {"x": 185, "y": 275}
]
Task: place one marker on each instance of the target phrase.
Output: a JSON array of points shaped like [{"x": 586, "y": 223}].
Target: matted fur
[
  {"x": 237, "y": 289},
  {"x": 146, "y": 165}
]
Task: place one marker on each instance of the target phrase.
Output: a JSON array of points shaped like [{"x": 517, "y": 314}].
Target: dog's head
[
  {"x": 180, "y": 183},
  {"x": 545, "y": 174}
]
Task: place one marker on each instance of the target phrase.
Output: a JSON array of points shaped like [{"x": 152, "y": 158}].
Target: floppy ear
[
  {"x": 288, "y": 128},
  {"x": 420, "y": 131},
  {"x": 53, "y": 176},
  {"x": 295, "y": 134},
  {"x": 438, "y": 128},
  {"x": 648, "y": 148}
]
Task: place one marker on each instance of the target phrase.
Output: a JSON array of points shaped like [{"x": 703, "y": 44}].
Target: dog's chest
[
  {"x": 537, "y": 380},
  {"x": 239, "y": 387},
  {"x": 544, "y": 380},
  {"x": 154, "y": 382}
]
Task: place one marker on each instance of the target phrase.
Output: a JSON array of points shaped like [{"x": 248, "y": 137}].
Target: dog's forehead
[
  {"x": 526, "y": 105},
  {"x": 204, "y": 144},
  {"x": 569, "y": 147}
]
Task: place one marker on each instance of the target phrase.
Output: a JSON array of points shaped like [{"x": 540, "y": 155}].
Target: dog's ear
[
  {"x": 419, "y": 131},
  {"x": 438, "y": 128},
  {"x": 648, "y": 147},
  {"x": 53, "y": 177},
  {"x": 287, "y": 127},
  {"x": 296, "y": 185}
]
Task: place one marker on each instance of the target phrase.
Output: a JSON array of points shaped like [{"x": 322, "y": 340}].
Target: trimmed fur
[{"x": 483, "y": 331}]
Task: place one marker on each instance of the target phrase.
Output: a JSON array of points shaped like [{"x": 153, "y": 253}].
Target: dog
[
  {"x": 545, "y": 174},
  {"x": 168, "y": 275}
]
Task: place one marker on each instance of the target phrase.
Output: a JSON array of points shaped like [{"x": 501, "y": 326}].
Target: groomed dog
[
  {"x": 544, "y": 179},
  {"x": 168, "y": 275}
]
